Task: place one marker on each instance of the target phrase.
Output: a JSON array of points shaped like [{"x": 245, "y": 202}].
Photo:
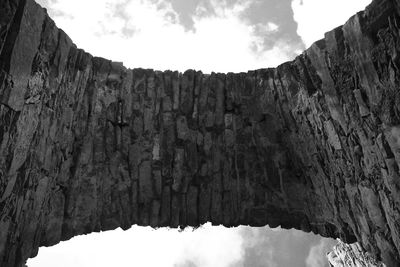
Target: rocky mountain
[
  {"x": 89, "y": 145},
  {"x": 351, "y": 255}
]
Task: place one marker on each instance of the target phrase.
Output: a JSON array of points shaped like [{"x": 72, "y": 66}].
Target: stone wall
[{"x": 88, "y": 145}]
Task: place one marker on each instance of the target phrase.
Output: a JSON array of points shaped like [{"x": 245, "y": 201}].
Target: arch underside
[{"x": 88, "y": 145}]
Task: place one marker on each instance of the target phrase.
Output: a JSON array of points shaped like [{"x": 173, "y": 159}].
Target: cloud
[
  {"x": 187, "y": 263},
  {"x": 186, "y": 9},
  {"x": 276, "y": 247},
  {"x": 212, "y": 246},
  {"x": 207, "y": 246},
  {"x": 279, "y": 13},
  {"x": 315, "y": 17},
  {"x": 258, "y": 248},
  {"x": 317, "y": 256},
  {"x": 261, "y": 14},
  {"x": 150, "y": 34}
]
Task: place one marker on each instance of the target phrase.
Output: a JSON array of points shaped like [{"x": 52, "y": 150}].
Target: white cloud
[
  {"x": 272, "y": 26},
  {"x": 315, "y": 17},
  {"x": 317, "y": 256},
  {"x": 222, "y": 42},
  {"x": 142, "y": 246}
]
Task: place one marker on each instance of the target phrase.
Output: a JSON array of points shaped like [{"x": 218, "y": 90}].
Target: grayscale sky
[{"x": 207, "y": 35}]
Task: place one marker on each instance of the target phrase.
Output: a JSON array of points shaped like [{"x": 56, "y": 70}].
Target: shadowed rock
[{"x": 88, "y": 145}]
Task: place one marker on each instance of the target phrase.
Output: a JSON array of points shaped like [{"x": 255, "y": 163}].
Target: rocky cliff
[
  {"x": 344, "y": 255},
  {"x": 88, "y": 145}
]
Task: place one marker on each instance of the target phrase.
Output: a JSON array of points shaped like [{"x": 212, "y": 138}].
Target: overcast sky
[{"x": 207, "y": 35}]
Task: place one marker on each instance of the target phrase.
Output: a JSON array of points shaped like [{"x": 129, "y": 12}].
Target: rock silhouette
[{"x": 88, "y": 145}]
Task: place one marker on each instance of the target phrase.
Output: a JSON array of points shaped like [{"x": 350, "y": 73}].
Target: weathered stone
[
  {"x": 353, "y": 255},
  {"x": 145, "y": 182},
  {"x": 182, "y": 130},
  {"x": 333, "y": 137},
  {"x": 24, "y": 49},
  {"x": 88, "y": 145},
  {"x": 364, "y": 110}
]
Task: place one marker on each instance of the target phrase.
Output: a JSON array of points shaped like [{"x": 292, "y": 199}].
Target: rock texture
[
  {"x": 88, "y": 145},
  {"x": 344, "y": 255}
]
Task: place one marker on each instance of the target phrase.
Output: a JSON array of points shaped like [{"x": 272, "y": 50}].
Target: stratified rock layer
[
  {"x": 88, "y": 145},
  {"x": 344, "y": 255}
]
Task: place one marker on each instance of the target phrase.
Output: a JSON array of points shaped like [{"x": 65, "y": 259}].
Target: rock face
[
  {"x": 88, "y": 145},
  {"x": 344, "y": 255}
]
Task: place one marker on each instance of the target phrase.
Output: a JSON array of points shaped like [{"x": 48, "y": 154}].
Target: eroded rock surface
[
  {"x": 88, "y": 145},
  {"x": 344, "y": 255}
]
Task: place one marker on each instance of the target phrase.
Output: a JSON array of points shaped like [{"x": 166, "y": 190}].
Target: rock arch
[{"x": 88, "y": 145}]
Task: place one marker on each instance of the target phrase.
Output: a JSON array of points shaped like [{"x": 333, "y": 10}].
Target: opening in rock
[{"x": 207, "y": 246}]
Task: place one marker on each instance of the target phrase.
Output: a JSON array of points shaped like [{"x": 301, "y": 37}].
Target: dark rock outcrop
[{"x": 88, "y": 145}]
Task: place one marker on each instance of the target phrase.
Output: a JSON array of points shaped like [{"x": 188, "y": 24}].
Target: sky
[
  {"x": 207, "y": 246},
  {"x": 207, "y": 35}
]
